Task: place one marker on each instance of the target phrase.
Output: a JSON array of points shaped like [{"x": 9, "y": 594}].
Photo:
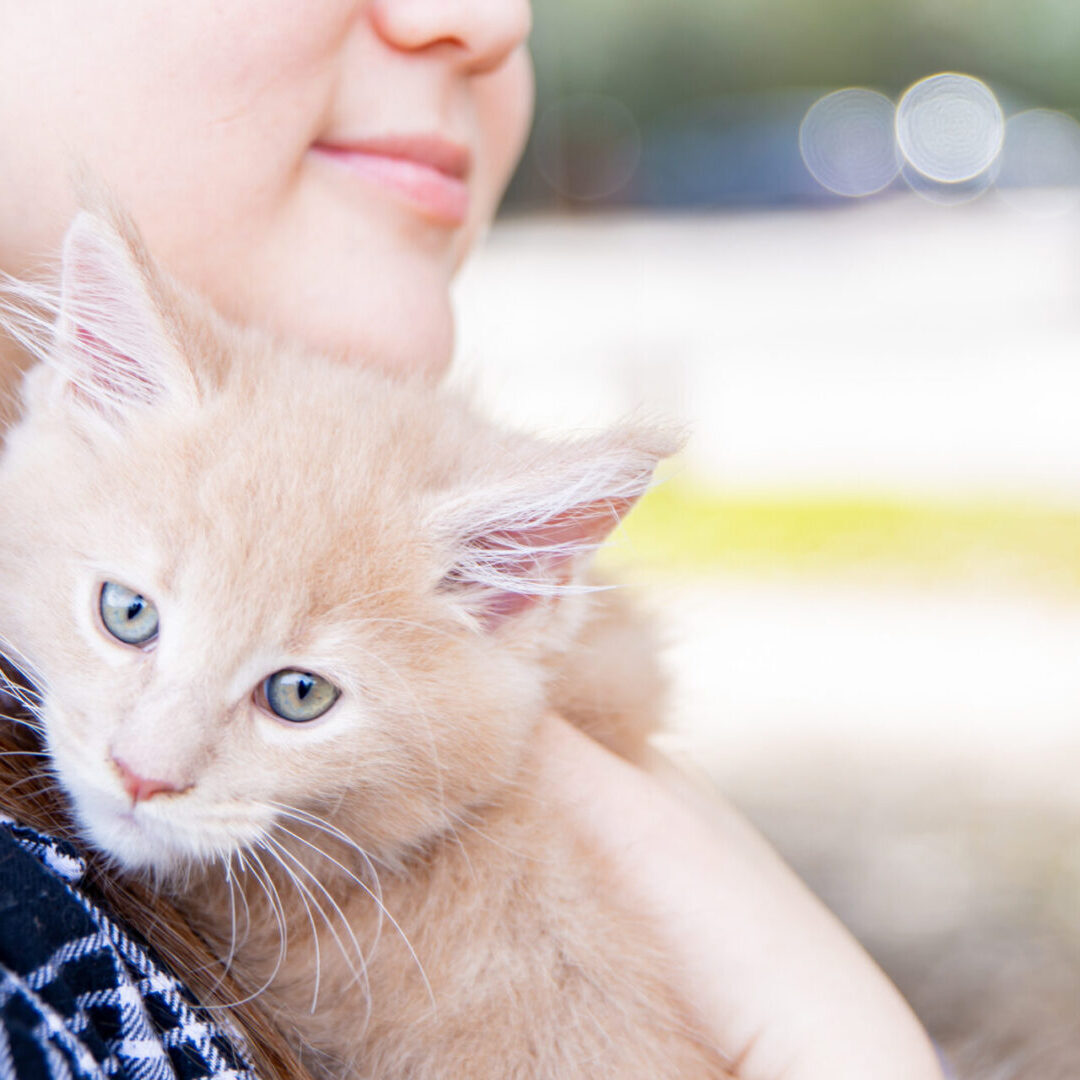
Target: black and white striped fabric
[{"x": 79, "y": 998}]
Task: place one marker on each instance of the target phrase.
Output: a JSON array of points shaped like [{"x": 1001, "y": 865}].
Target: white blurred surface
[
  {"x": 896, "y": 680},
  {"x": 889, "y": 348}
]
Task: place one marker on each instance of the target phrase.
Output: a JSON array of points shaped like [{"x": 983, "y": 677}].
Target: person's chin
[
  {"x": 395, "y": 317},
  {"x": 357, "y": 284}
]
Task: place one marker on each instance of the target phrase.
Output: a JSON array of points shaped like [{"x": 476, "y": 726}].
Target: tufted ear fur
[
  {"x": 530, "y": 534},
  {"x": 112, "y": 346}
]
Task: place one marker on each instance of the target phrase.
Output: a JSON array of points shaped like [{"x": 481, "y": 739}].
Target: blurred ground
[{"x": 900, "y": 713}]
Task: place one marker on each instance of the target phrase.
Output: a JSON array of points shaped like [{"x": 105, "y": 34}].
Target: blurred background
[{"x": 839, "y": 240}]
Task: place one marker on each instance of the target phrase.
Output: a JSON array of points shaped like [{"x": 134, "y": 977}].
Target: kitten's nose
[{"x": 138, "y": 787}]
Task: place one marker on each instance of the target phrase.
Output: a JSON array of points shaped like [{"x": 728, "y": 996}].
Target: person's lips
[{"x": 427, "y": 172}]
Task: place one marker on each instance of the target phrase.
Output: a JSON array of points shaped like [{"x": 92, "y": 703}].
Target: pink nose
[{"x": 139, "y": 787}]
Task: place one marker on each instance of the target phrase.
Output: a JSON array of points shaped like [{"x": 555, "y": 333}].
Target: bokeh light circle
[
  {"x": 950, "y": 127},
  {"x": 847, "y": 141},
  {"x": 1040, "y": 168},
  {"x": 587, "y": 146}
]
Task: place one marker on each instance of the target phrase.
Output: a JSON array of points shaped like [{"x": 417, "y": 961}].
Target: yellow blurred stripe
[{"x": 682, "y": 527}]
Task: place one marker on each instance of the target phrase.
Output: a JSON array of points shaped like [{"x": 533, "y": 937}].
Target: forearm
[{"x": 786, "y": 990}]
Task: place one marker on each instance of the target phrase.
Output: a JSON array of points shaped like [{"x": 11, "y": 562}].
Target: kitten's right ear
[
  {"x": 112, "y": 346},
  {"x": 529, "y": 533}
]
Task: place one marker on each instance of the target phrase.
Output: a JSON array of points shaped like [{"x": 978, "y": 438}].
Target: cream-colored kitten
[{"x": 294, "y": 625}]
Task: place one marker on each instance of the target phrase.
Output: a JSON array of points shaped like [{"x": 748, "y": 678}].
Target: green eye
[
  {"x": 298, "y": 696},
  {"x": 129, "y": 617}
]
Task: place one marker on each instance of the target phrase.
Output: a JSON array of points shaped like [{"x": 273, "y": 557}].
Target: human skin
[
  {"x": 217, "y": 125},
  {"x": 210, "y": 121},
  {"x": 787, "y": 991}
]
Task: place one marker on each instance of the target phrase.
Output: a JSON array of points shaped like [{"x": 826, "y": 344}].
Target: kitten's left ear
[
  {"x": 112, "y": 345},
  {"x": 530, "y": 534}
]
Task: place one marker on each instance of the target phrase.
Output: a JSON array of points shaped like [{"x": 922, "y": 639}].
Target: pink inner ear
[
  {"x": 110, "y": 371},
  {"x": 562, "y": 538},
  {"x": 110, "y": 333},
  {"x": 523, "y": 565}
]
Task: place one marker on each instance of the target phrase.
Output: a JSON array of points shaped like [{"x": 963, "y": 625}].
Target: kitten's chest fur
[{"x": 531, "y": 966}]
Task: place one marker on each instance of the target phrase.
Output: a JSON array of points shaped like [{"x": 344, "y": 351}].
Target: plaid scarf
[{"x": 80, "y": 998}]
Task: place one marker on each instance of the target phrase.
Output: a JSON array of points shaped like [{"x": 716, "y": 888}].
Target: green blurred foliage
[{"x": 659, "y": 54}]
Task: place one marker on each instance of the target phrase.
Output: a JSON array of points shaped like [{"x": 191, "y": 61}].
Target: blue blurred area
[
  {"x": 728, "y": 152},
  {"x": 704, "y": 98}
]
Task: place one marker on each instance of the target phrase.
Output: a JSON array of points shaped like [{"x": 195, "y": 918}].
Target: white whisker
[
  {"x": 318, "y": 823},
  {"x": 302, "y": 817},
  {"x": 305, "y": 896},
  {"x": 274, "y": 901},
  {"x": 229, "y": 956},
  {"x": 361, "y": 976}
]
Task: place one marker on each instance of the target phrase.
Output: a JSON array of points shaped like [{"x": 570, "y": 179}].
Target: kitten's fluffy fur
[{"x": 288, "y": 511}]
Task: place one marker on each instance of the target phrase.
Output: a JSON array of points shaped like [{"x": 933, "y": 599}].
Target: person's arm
[{"x": 784, "y": 988}]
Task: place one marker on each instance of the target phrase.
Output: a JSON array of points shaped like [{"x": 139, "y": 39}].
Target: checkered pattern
[{"x": 79, "y": 998}]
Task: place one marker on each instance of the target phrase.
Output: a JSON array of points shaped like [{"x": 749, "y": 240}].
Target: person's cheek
[
  {"x": 505, "y": 99},
  {"x": 503, "y": 102}
]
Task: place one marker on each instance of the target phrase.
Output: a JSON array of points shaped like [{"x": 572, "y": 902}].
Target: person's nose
[{"x": 485, "y": 32}]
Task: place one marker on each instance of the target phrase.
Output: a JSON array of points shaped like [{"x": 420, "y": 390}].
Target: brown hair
[{"x": 28, "y": 794}]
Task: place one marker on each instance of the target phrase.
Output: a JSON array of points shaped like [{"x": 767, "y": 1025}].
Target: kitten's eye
[
  {"x": 298, "y": 696},
  {"x": 129, "y": 617}
]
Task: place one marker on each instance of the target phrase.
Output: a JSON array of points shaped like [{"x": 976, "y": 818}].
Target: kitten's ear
[
  {"x": 529, "y": 535},
  {"x": 111, "y": 343}
]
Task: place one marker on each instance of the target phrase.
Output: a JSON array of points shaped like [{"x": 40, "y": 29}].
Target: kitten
[{"x": 294, "y": 623}]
